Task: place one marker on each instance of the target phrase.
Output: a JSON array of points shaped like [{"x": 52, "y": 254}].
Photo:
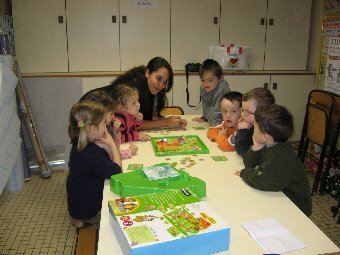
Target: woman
[{"x": 153, "y": 82}]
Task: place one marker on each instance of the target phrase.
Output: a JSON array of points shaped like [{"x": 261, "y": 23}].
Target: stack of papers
[{"x": 272, "y": 236}]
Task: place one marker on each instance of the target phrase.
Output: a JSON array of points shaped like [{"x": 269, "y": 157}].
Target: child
[
  {"x": 213, "y": 87},
  {"x": 126, "y": 110},
  {"x": 94, "y": 157},
  {"x": 112, "y": 124},
  {"x": 250, "y": 101},
  {"x": 224, "y": 134},
  {"x": 271, "y": 164}
]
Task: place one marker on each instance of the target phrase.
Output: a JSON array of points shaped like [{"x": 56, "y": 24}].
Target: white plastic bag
[{"x": 231, "y": 57}]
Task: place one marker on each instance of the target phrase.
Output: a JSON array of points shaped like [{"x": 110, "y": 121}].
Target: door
[
  {"x": 40, "y": 35},
  {"x": 194, "y": 27},
  {"x": 144, "y": 31},
  {"x": 93, "y": 35}
]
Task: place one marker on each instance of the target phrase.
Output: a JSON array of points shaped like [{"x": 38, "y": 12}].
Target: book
[{"x": 168, "y": 223}]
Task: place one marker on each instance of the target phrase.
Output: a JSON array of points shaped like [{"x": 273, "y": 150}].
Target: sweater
[
  {"x": 129, "y": 127},
  {"x": 211, "y": 103},
  {"x": 222, "y": 140},
  {"x": 244, "y": 140},
  {"x": 277, "y": 168},
  {"x": 88, "y": 170}
]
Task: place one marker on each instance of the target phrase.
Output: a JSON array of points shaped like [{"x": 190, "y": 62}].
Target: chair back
[
  {"x": 172, "y": 110},
  {"x": 317, "y": 124}
]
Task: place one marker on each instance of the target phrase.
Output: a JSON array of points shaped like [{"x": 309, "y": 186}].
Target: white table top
[{"x": 228, "y": 195}]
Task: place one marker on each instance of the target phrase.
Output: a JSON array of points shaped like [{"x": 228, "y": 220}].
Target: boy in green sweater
[{"x": 271, "y": 164}]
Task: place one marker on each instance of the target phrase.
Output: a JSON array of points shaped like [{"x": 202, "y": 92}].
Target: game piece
[
  {"x": 219, "y": 158},
  {"x": 135, "y": 166},
  {"x": 198, "y": 128}
]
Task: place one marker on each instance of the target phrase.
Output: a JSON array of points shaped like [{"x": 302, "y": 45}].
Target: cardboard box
[{"x": 169, "y": 223}]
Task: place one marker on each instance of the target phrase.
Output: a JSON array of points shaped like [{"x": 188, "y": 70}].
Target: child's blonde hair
[
  {"x": 121, "y": 93},
  {"x": 84, "y": 113}
]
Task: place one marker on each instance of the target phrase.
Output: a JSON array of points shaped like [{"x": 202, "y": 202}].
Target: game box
[
  {"x": 155, "y": 179},
  {"x": 178, "y": 145},
  {"x": 169, "y": 223}
]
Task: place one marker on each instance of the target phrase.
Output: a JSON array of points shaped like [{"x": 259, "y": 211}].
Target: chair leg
[{"x": 319, "y": 170}]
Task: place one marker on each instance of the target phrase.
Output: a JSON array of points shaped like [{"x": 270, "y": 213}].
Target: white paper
[{"x": 272, "y": 236}]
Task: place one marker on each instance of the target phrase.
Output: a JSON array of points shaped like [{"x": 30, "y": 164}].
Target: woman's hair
[
  {"x": 121, "y": 93},
  {"x": 102, "y": 97},
  {"x": 83, "y": 114},
  {"x": 275, "y": 120},
  {"x": 262, "y": 96},
  {"x": 210, "y": 65}
]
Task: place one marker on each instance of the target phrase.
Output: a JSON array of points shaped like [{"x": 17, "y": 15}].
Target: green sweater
[{"x": 277, "y": 168}]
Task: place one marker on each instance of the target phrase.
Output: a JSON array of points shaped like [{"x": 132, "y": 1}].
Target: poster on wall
[
  {"x": 331, "y": 29},
  {"x": 332, "y": 76}
]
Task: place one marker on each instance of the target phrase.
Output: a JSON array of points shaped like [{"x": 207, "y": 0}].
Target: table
[{"x": 228, "y": 195}]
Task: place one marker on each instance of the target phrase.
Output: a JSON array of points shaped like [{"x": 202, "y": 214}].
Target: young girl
[
  {"x": 94, "y": 157},
  {"x": 113, "y": 124},
  {"x": 126, "y": 110}
]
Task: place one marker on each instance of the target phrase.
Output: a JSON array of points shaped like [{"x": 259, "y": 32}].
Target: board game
[
  {"x": 169, "y": 223},
  {"x": 155, "y": 179},
  {"x": 178, "y": 145}
]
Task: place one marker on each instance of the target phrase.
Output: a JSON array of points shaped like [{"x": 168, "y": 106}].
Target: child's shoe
[{"x": 77, "y": 223}]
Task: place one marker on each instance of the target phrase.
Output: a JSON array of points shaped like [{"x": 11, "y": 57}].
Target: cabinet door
[
  {"x": 40, "y": 35},
  {"x": 194, "y": 27},
  {"x": 243, "y": 22},
  {"x": 244, "y": 83},
  {"x": 93, "y": 35},
  {"x": 287, "y": 34},
  {"x": 144, "y": 31},
  {"x": 292, "y": 92}
]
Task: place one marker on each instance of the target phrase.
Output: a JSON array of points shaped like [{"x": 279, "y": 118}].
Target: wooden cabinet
[
  {"x": 194, "y": 27},
  {"x": 144, "y": 31},
  {"x": 40, "y": 35},
  {"x": 278, "y": 31},
  {"x": 93, "y": 35}
]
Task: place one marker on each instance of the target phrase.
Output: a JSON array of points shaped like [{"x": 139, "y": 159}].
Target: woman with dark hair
[{"x": 153, "y": 82}]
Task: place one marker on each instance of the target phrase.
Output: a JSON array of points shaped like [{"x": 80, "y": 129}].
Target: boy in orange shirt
[{"x": 224, "y": 134}]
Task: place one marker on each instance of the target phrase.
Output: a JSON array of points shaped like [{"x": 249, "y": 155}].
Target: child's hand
[
  {"x": 237, "y": 173},
  {"x": 256, "y": 146},
  {"x": 223, "y": 131},
  {"x": 133, "y": 148},
  {"x": 116, "y": 124},
  {"x": 139, "y": 116},
  {"x": 198, "y": 119},
  {"x": 144, "y": 137},
  {"x": 242, "y": 124}
]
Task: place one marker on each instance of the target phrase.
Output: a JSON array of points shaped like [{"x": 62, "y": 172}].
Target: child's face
[
  {"x": 231, "y": 112},
  {"x": 248, "y": 110},
  {"x": 132, "y": 105},
  {"x": 209, "y": 81},
  {"x": 258, "y": 136},
  {"x": 96, "y": 132},
  {"x": 109, "y": 117}
]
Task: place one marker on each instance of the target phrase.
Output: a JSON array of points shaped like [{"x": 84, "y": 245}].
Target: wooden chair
[
  {"x": 172, "y": 110},
  {"x": 86, "y": 242},
  {"x": 315, "y": 131}
]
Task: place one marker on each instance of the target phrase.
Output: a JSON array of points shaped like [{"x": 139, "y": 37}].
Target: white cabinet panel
[
  {"x": 40, "y": 35},
  {"x": 93, "y": 35},
  {"x": 244, "y": 83},
  {"x": 144, "y": 32},
  {"x": 194, "y": 27}
]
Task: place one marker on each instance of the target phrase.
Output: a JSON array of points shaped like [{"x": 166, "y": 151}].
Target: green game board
[{"x": 185, "y": 145}]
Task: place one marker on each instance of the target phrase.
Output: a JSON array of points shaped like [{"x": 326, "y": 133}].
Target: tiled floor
[{"x": 35, "y": 220}]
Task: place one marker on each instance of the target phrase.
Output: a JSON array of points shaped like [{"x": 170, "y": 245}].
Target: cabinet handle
[
  {"x": 114, "y": 19},
  {"x": 266, "y": 85},
  {"x": 215, "y": 20},
  {"x": 262, "y": 21},
  {"x": 61, "y": 19},
  {"x": 271, "y": 22},
  {"x": 124, "y": 19},
  {"x": 275, "y": 86}
]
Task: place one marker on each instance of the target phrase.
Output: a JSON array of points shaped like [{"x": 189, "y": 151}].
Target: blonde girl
[
  {"x": 126, "y": 110},
  {"x": 94, "y": 157}
]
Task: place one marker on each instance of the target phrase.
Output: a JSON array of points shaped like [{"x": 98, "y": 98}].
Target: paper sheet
[{"x": 272, "y": 236}]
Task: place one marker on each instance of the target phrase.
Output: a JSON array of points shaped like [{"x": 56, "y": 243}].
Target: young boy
[
  {"x": 231, "y": 111},
  {"x": 271, "y": 164},
  {"x": 213, "y": 87},
  {"x": 250, "y": 101}
]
